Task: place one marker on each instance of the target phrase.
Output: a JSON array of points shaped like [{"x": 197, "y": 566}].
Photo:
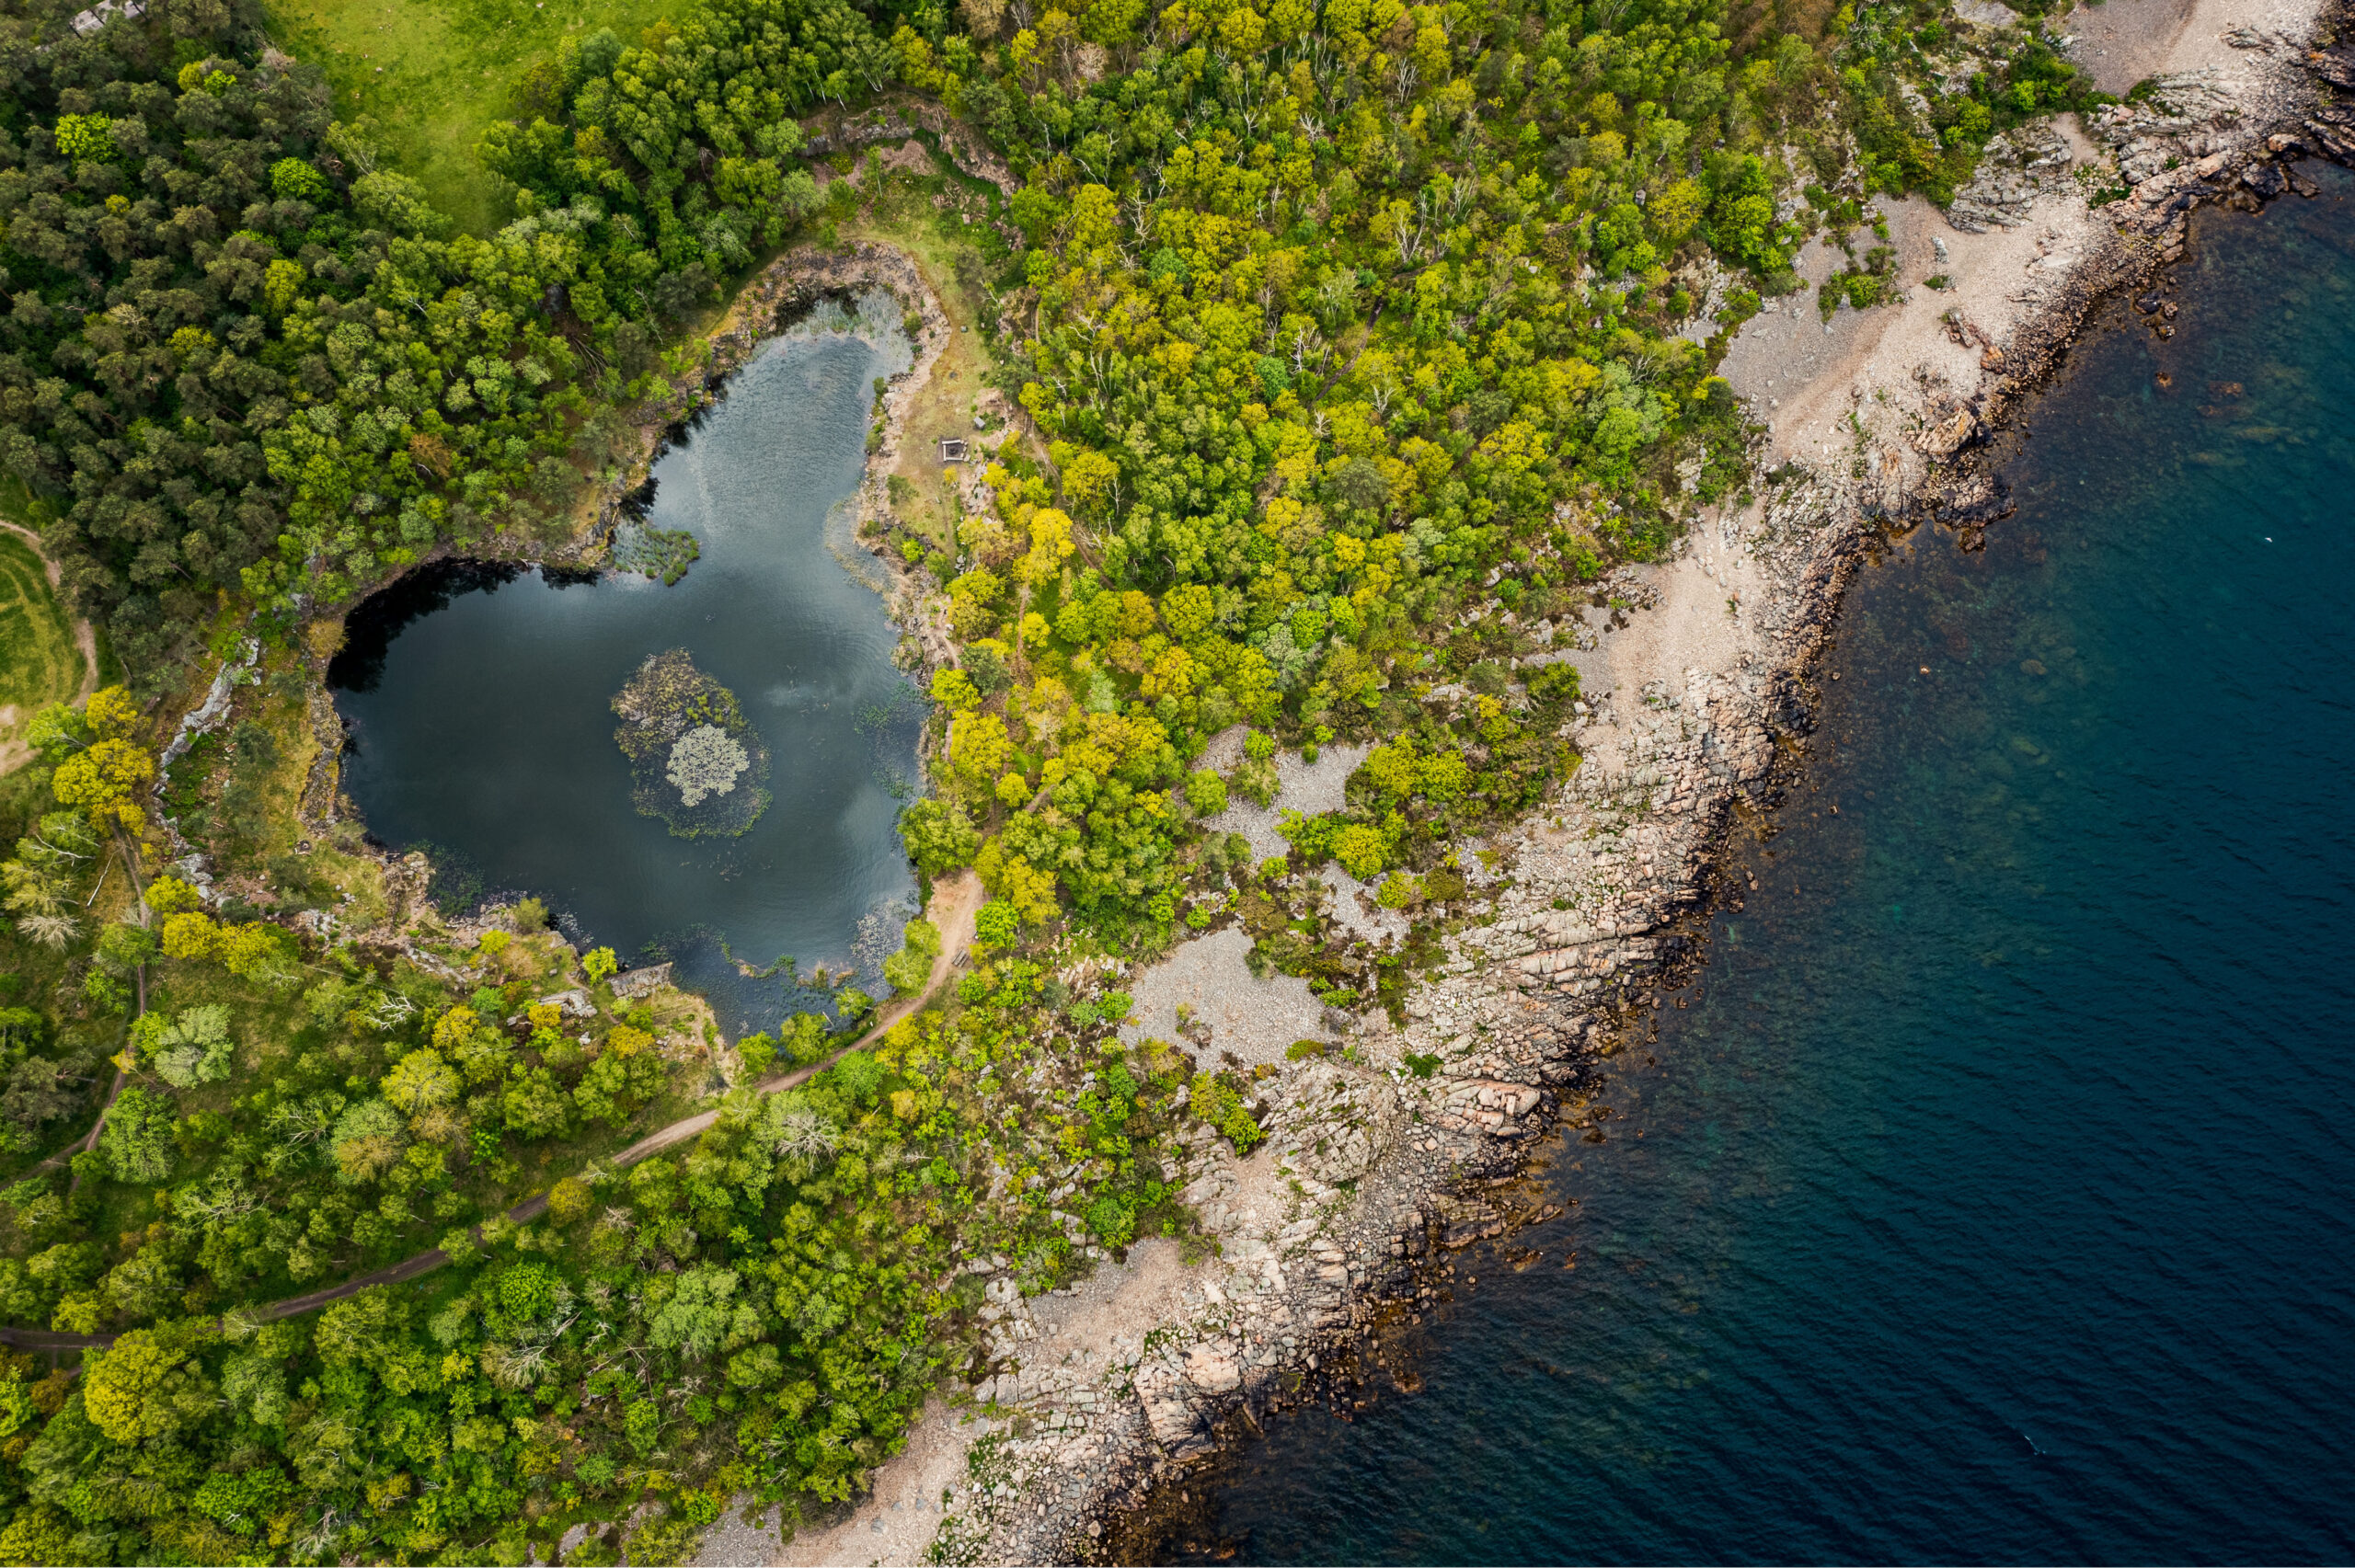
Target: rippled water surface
[
  {"x": 1993, "y": 1195},
  {"x": 478, "y": 701}
]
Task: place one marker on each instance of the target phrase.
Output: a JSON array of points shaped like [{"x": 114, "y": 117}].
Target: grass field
[
  {"x": 433, "y": 73},
  {"x": 39, "y": 663},
  {"x": 925, "y": 216}
]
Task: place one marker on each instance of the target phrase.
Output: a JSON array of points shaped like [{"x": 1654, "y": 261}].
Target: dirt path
[
  {"x": 130, "y": 853},
  {"x": 953, "y": 907}
]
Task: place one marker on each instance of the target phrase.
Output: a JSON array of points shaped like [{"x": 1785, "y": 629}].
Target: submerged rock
[{"x": 696, "y": 763}]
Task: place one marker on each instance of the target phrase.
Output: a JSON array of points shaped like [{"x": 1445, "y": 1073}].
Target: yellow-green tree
[
  {"x": 143, "y": 1387},
  {"x": 106, "y": 780}
]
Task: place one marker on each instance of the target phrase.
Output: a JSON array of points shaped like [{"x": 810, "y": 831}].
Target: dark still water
[
  {"x": 480, "y": 700},
  {"x": 1993, "y": 1200}
]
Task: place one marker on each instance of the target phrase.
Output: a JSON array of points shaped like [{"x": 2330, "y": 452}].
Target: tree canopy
[{"x": 1356, "y": 344}]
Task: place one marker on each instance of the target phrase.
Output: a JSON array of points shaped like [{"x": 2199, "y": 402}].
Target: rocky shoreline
[
  {"x": 1098, "y": 1407},
  {"x": 1088, "y": 1438},
  {"x": 1341, "y": 1232}
]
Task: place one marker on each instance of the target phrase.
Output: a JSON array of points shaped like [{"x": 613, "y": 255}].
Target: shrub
[
  {"x": 569, "y": 1200},
  {"x": 1216, "y": 1102},
  {"x": 258, "y": 951},
  {"x": 171, "y": 895},
  {"x": 1113, "y": 1221},
  {"x": 994, "y": 924},
  {"x": 1361, "y": 851}
]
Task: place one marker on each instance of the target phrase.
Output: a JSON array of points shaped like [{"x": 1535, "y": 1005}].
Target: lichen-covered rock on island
[{"x": 695, "y": 762}]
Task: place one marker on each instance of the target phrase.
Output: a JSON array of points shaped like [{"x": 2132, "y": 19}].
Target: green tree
[
  {"x": 994, "y": 924},
  {"x": 535, "y": 1105},
  {"x": 106, "y": 780},
  {"x": 420, "y": 1081},
  {"x": 938, "y": 835},
  {"x": 137, "y": 1142},
  {"x": 704, "y": 1314},
  {"x": 146, "y": 1386},
  {"x": 616, "y": 1085}
]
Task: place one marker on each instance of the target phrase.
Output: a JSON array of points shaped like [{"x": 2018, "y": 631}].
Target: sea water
[{"x": 1993, "y": 1200}]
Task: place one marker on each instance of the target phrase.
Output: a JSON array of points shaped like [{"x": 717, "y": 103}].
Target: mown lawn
[
  {"x": 433, "y": 73},
  {"x": 39, "y": 663}
]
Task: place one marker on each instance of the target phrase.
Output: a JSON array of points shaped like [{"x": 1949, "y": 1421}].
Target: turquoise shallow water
[
  {"x": 1993, "y": 1200},
  {"x": 477, "y": 700}
]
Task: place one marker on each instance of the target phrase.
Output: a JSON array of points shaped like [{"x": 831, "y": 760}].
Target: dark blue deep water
[{"x": 1994, "y": 1196}]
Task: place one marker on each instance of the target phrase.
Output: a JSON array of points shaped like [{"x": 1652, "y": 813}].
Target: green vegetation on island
[
  {"x": 696, "y": 764},
  {"x": 1358, "y": 342}
]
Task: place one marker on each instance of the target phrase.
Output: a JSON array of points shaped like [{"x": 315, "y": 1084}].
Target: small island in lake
[{"x": 696, "y": 763}]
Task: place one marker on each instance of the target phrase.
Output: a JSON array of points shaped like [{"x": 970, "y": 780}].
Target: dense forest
[{"x": 1355, "y": 342}]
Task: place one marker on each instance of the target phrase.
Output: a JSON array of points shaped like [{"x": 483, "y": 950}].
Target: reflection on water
[
  {"x": 478, "y": 698},
  {"x": 1992, "y": 1200}
]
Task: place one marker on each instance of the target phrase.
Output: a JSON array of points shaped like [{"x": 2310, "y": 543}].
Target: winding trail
[
  {"x": 129, "y": 853},
  {"x": 13, "y": 754},
  {"x": 952, "y": 909}
]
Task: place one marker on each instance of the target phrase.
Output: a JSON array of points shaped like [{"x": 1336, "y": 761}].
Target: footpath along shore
[{"x": 1101, "y": 1404}]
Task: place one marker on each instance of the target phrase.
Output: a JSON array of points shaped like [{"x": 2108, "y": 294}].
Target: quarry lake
[{"x": 478, "y": 699}]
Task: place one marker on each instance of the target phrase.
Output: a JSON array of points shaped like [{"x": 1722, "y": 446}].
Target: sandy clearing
[
  {"x": 1848, "y": 397},
  {"x": 1305, "y": 787},
  {"x": 1353, "y": 905},
  {"x": 2121, "y": 42},
  {"x": 1888, "y": 365},
  {"x": 1251, "y": 1018},
  {"x": 896, "y": 1521},
  {"x": 1878, "y": 364},
  {"x": 1104, "y": 1318},
  {"x": 1853, "y": 396},
  {"x": 892, "y": 1524}
]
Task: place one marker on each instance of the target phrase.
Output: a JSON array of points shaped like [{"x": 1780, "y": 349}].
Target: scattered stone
[{"x": 2018, "y": 167}]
